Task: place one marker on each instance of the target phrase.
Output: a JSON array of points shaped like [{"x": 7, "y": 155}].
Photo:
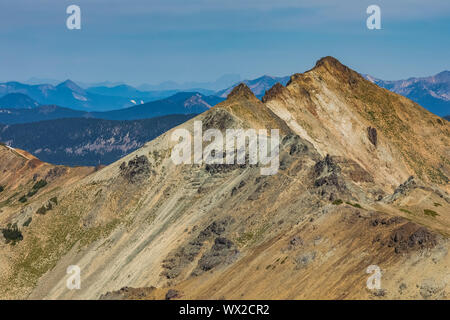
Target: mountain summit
[
  {"x": 362, "y": 181},
  {"x": 241, "y": 90},
  {"x": 72, "y": 86}
]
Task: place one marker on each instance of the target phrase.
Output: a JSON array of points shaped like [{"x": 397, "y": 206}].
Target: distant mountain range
[
  {"x": 258, "y": 86},
  {"x": 432, "y": 93},
  {"x": 17, "y": 101},
  {"x": 67, "y": 94},
  {"x": 22, "y": 103},
  {"x": 139, "y": 96},
  {"x": 180, "y": 103},
  {"x": 80, "y": 141},
  {"x": 223, "y": 82}
]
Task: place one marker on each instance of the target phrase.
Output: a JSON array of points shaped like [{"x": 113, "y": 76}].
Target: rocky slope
[
  {"x": 363, "y": 180},
  {"x": 433, "y": 93},
  {"x": 22, "y": 185}
]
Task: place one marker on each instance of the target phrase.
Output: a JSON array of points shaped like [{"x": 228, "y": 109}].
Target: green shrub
[
  {"x": 23, "y": 199},
  {"x": 436, "y": 204},
  {"x": 39, "y": 185},
  {"x": 356, "y": 205},
  {"x": 337, "y": 202},
  {"x": 430, "y": 213},
  {"x": 406, "y": 211},
  {"x": 54, "y": 200},
  {"x": 31, "y": 193},
  {"x": 12, "y": 234},
  {"x": 2, "y": 188}
]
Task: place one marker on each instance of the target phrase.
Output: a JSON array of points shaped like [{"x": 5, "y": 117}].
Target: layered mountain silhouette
[
  {"x": 363, "y": 180},
  {"x": 17, "y": 101},
  {"x": 66, "y": 94},
  {"x": 127, "y": 91},
  {"x": 430, "y": 92},
  {"x": 258, "y": 85},
  {"x": 180, "y": 103},
  {"x": 223, "y": 82}
]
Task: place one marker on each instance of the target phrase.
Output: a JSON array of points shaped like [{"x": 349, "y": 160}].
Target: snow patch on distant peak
[{"x": 78, "y": 97}]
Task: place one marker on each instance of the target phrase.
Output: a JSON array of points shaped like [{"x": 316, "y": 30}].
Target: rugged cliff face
[{"x": 342, "y": 200}]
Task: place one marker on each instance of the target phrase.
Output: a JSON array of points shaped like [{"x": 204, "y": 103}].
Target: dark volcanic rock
[
  {"x": 128, "y": 293},
  {"x": 172, "y": 294},
  {"x": 136, "y": 170},
  {"x": 327, "y": 173},
  {"x": 222, "y": 252},
  {"x": 294, "y": 152},
  {"x": 180, "y": 258},
  {"x": 55, "y": 172},
  {"x": 411, "y": 237},
  {"x": 403, "y": 189},
  {"x": 372, "y": 134}
]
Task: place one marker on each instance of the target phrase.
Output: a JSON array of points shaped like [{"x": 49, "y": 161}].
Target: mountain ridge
[
  {"x": 179, "y": 103},
  {"x": 349, "y": 193},
  {"x": 17, "y": 101},
  {"x": 432, "y": 92},
  {"x": 67, "y": 94}
]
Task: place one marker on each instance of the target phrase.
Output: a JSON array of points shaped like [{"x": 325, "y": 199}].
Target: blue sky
[{"x": 151, "y": 41}]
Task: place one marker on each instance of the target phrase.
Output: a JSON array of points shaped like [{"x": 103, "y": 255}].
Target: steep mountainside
[
  {"x": 362, "y": 180},
  {"x": 21, "y": 181},
  {"x": 433, "y": 93},
  {"x": 81, "y": 141}
]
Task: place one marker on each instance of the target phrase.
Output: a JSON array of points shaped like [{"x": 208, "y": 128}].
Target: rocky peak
[
  {"x": 273, "y": 92},
  {"x": 329, "y": 61},
  {"x": 69, "y": 84},
  {"x": 340, "y": 72},
  {"x": 241, "y": 90}
]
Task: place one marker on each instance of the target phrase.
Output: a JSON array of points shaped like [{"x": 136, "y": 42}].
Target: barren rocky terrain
[{"x": 363, "y": 180}]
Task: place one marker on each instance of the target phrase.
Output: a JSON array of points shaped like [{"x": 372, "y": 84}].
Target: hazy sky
[{"x": 150, "y": 41}]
